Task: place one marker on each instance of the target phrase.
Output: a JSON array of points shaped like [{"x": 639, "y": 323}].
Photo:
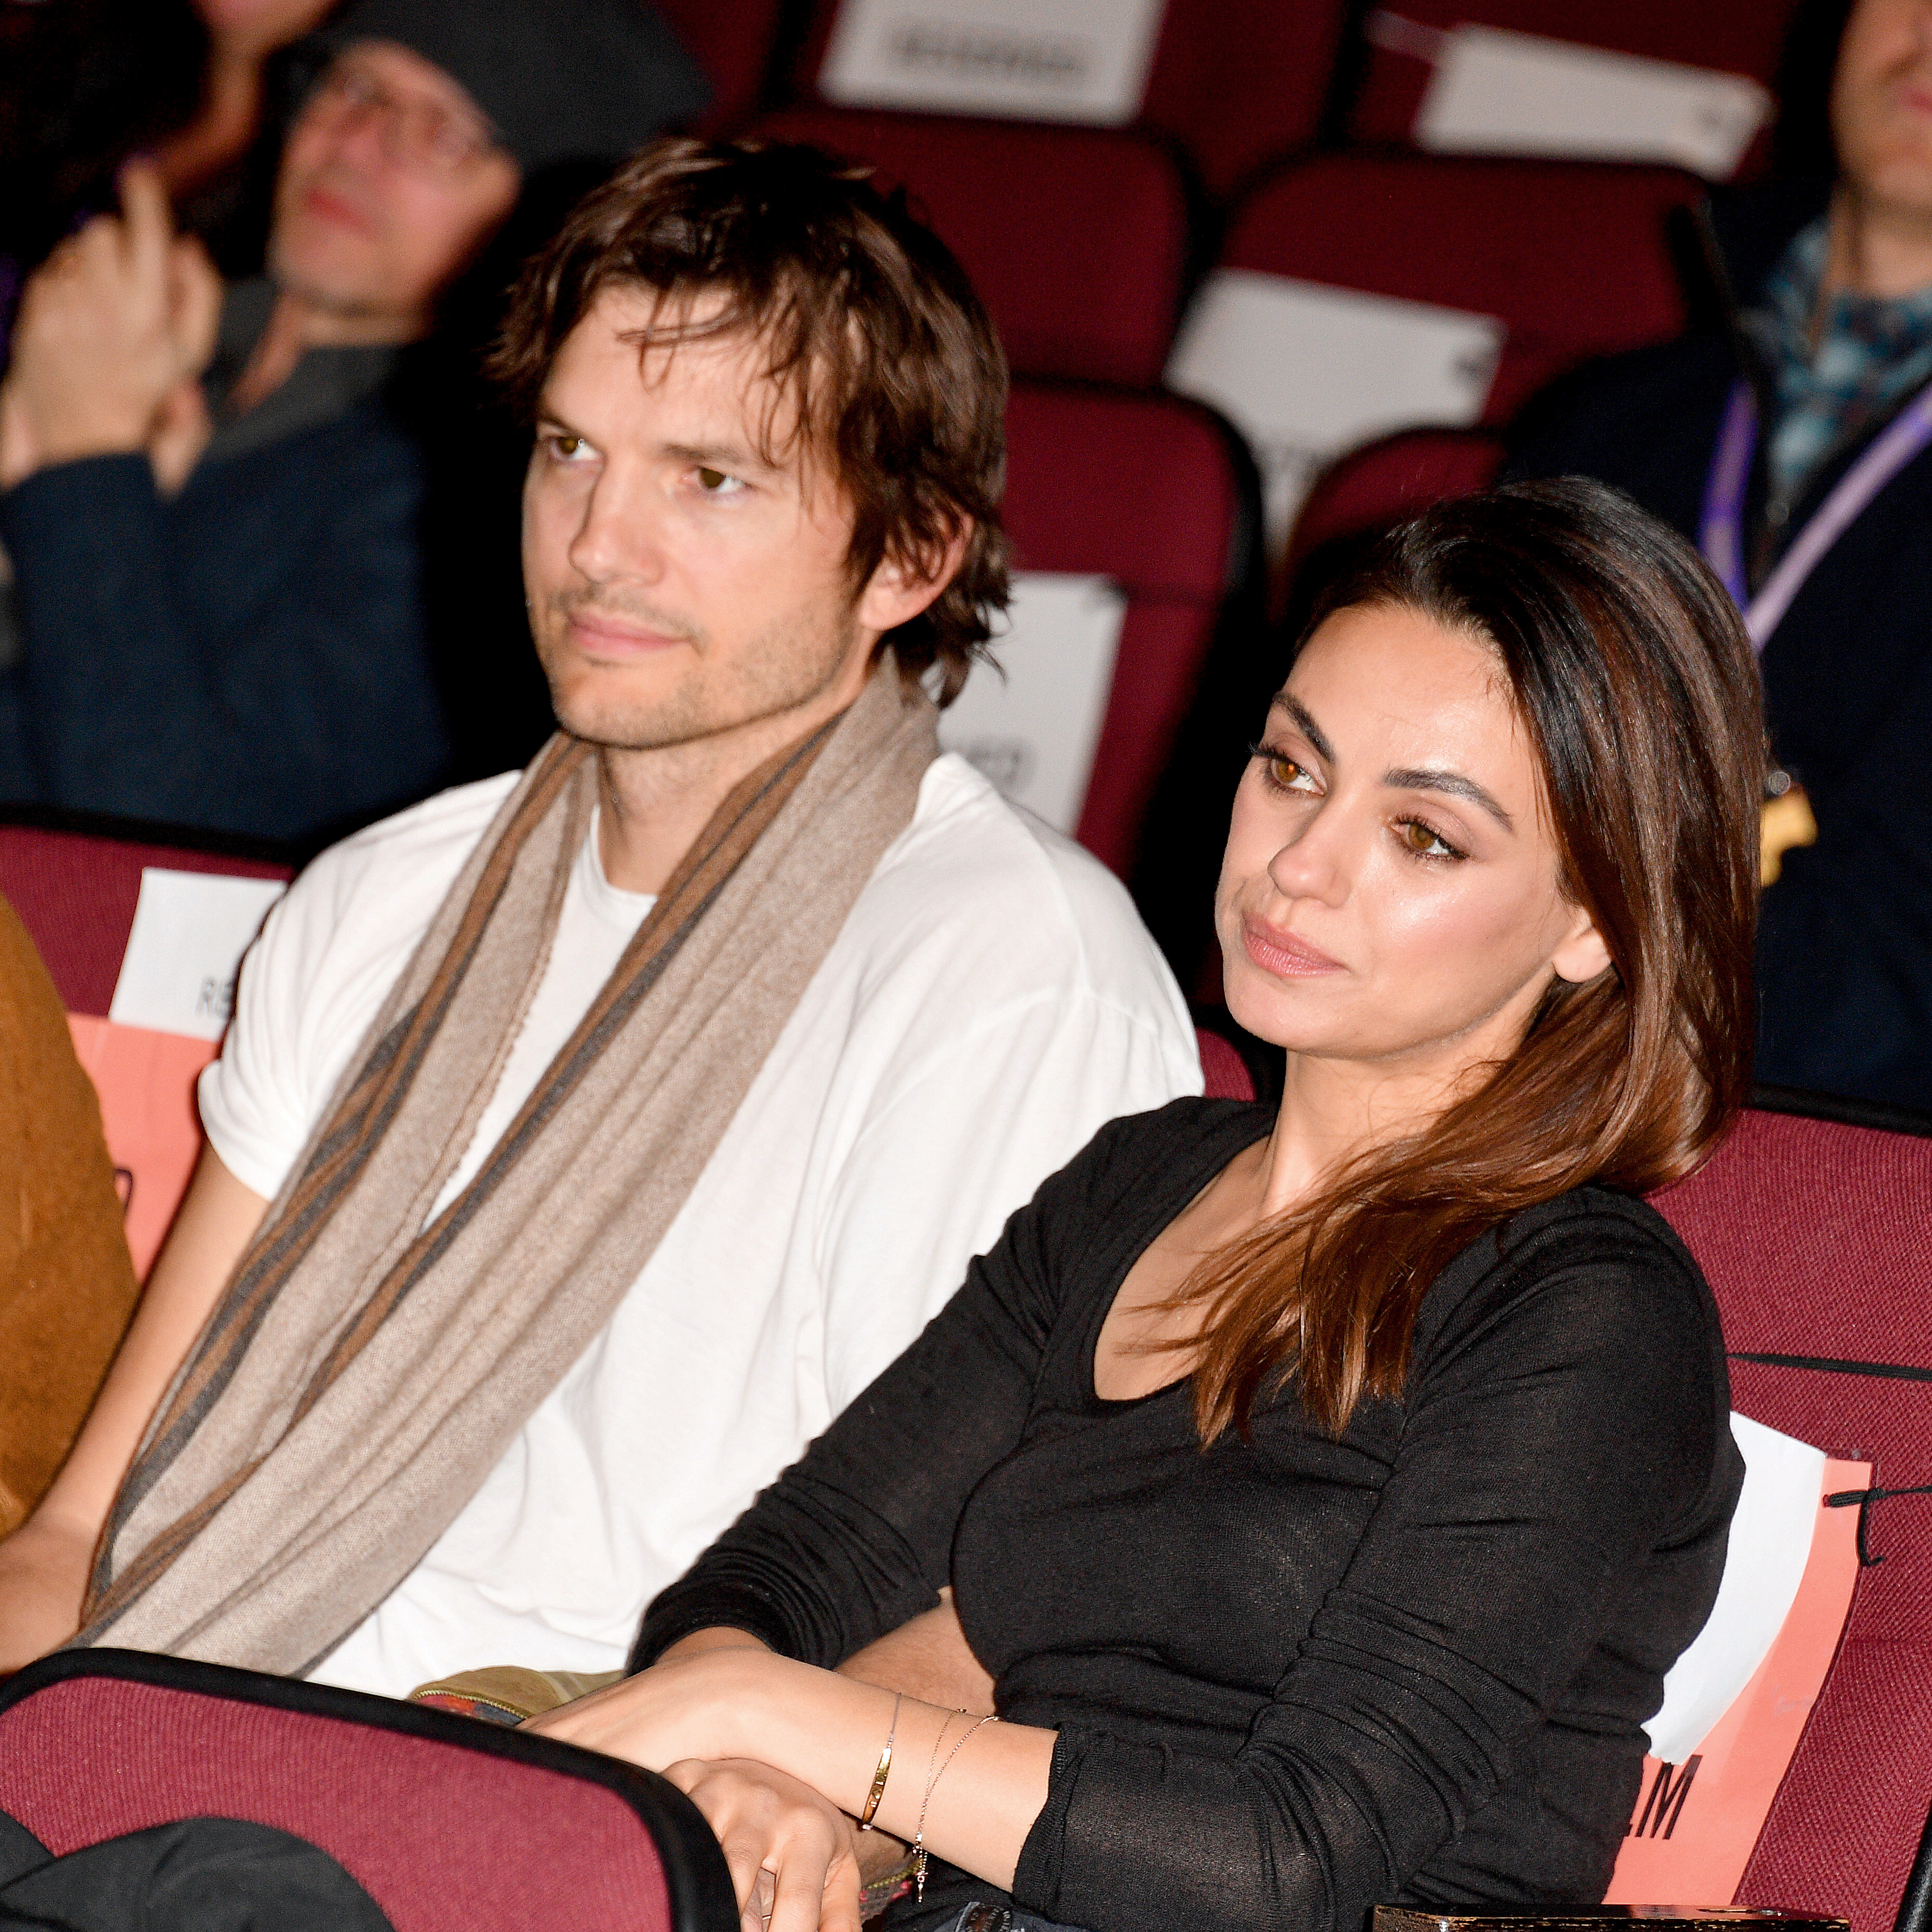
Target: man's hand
[
  {"x": 793, "y": 1863},
  {"x": 118, "y": 318},
  {"x": 44, "y": 1568}
]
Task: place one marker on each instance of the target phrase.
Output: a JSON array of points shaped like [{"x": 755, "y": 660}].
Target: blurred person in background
[
  {"x": 1794, "y": 443},
  {"x": 211, "y": 498}
]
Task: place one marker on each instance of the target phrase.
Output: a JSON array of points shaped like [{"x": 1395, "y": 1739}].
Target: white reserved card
[
  {"x": 190, "y": 930},
  {"x": 1501, "y": 93},
  {"x": 1306, "y": 371},
  {"x": 1039, "y": 60},
  {"x": 1033, "y": 732},
  {"x": 1764, "y": 1565}
]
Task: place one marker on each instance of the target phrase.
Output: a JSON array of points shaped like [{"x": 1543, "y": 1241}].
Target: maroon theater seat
[
  {"x": 450, "y": 1825},
  {"x": 1395, "y": 73},
  {"x": 1377, "y": 485},
  {"x": 1075, "y": 237},
  {"x": 733, "y": 40},
  {"x": 1573, "y": 257},
  {"x": 1237, "y": 82},
  {"x": 1224, "y": 1073},
  {"x": 1393, "y": 477},
  {"x": 75, "y": 892},
  {"x": 1147, "y": 490},
  {"x": 1816, "y": 1233},
  {"x": 1230, "y": 81}
]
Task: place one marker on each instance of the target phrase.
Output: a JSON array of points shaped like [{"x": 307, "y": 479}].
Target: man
[
  {"x": 622, "y": 1120},
  {"x": 214, "y": 526},
  {"x": 1793, "y": 447}
]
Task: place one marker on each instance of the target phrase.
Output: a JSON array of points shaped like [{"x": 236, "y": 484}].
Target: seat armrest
[{"x": 1599, "y": 1918}]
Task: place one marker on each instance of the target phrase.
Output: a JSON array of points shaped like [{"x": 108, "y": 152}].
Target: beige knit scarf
[{"x": 367, "y": 1365}]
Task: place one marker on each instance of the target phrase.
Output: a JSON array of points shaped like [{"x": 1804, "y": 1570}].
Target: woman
[{"x": 1325, "y": 1495}]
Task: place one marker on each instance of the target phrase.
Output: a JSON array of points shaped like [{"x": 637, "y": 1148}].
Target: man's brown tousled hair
[
  {"x": 872, "y": 329},
  {"x": 1635, "y": 683}
]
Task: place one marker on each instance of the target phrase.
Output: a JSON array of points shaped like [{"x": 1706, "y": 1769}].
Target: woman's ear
[
  {"x": 902, "y": 586},
  {"x": 1582, "y": 954}
]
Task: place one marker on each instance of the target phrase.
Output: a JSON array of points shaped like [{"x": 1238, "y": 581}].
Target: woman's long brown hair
[{"x": 1632, "y": 676}]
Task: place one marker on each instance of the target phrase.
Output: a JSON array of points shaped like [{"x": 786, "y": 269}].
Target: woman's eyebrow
[
  {"x": 1454, "y": 784},
  {"x": 1306, "y": 725}
]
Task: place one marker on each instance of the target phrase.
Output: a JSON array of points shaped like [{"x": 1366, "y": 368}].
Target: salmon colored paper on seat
[
  {"x": 1695, "y": 1824},
  {"x": 145, "y": 1081}
]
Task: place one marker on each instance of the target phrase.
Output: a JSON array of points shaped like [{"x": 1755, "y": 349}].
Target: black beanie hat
[{"x": 561, "y": 80}]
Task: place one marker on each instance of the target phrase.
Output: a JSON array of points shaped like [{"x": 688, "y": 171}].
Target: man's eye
[
  {"x": 568, "y": 448},
  {"x": 1283, "y": 772},
  {"x": 717, "y": 482},
  {"x": 1424, "y": 841}
]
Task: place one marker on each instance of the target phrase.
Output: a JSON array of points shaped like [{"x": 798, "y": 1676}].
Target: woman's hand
[{"x": 793, "y": 1858}]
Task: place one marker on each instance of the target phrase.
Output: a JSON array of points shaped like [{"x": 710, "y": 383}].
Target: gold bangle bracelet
[{"x": 884, "y": 1771}]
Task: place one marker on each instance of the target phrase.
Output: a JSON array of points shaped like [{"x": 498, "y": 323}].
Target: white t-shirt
[{"x": 990, "y": 1001}]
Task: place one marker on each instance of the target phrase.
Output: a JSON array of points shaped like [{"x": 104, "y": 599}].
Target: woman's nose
[{"x": 1314, "y": 862}]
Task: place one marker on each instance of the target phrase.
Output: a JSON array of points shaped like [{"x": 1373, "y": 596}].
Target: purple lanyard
[{"x": 1721, "y": 532}]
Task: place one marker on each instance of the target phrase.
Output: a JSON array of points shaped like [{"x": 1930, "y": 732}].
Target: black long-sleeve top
[{"x": 1292, "y": 1676}]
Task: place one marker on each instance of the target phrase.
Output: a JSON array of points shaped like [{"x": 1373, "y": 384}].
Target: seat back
[
  {"x": 1237, "y": 82},
  {"x": 734, "y": 42},
  {"x": 1813, "y": 1232},
  {"x": 1573, "y": 258},
  {"x": 450, "y": 1825},
  {"x": 1075, "y": 237},
  {"x": 1399, "y": 52},
  {"x": 77, "y": 891},
  {"x": 1393, "y": 477},
  {"x": 1227, "y": 81},
  {"x": 1369, "y": 488},
  {"x": 1224, "y": 1073},
  {"x": 1147, "y": 490},
  {"x": 1358, "y": 295}
]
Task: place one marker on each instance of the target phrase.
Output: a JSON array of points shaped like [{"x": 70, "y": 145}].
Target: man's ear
[
  {"x": 1582, "y": 954},
  {"x": 903, "y": 586}
]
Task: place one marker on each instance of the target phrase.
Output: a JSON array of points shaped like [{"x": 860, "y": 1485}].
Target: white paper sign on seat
[
  {"x": 1036, "y": 60},
  {"x": 1306, "y": 371},
  {"x": 1033, "y": 733},
  {"x": 185, "y": 949},
  {"x": 1496, "y": 92},
  {"x": 1764, "y": 1564}
]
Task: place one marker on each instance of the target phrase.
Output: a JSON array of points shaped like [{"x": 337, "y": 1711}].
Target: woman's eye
[
  {"x": 567, "y": 449},
  {"x": 1283, "y": 772},
  {"x": 1424, "y": 841},
  {"x": 719, "y": 483}
]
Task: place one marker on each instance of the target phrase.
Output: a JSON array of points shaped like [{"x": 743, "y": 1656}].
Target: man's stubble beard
[{"x": 784, "y": 669}]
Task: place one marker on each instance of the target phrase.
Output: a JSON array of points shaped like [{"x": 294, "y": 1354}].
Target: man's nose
[
  {"x": 617, "y": 539},
  {"x": 365, "y": 138}
]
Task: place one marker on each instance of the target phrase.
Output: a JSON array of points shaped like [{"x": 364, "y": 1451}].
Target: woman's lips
[{"x": 1282, "y": 954}]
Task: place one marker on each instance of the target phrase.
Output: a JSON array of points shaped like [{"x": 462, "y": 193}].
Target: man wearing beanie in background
[{"x": 212, "y": 499}]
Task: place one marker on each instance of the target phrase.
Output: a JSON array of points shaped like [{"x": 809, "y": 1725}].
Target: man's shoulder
[
  {"x": 980, "y": 889},
  {"x": 395, "y": 872}
]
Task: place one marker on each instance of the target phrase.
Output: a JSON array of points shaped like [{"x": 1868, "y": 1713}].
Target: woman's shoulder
[
  {"x": 1603, "y": 1263},
  {"x": 1149, "y": 1163},
  {"x": 1181, "y": 1135}
]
